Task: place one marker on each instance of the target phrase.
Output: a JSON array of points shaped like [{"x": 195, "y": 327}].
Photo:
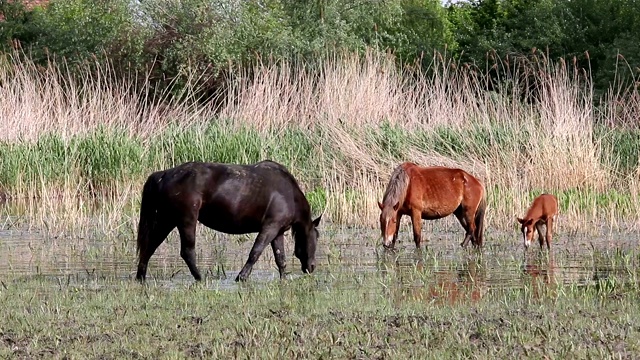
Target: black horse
[{"x": 234, "y": 199}]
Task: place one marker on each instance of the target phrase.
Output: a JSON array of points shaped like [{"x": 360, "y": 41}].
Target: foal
[{"x": 543, "y": 211}]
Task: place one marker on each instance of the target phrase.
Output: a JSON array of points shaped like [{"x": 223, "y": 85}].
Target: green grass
[
  {"x": 364, "y": 315},
  {"x": 102, "y": 160},
  {"x": 622, "y": 147},
  {"x": 111, "y": 155}
]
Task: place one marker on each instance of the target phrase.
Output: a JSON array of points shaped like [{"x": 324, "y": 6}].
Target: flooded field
[
  {"x": 77, "y": 298},
  {"x": 442, "y": 271}
]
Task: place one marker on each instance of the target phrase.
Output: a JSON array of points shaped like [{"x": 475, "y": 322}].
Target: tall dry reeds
[
  {"x": 36, "y": 100},
  {"x": 363, "y": 116}
]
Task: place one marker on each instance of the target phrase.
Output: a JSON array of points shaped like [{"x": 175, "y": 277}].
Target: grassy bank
[
  {"x": 66, "y": 143},
  {"x": 63, "y": 175},
  {"x": 365, "y": 315}
]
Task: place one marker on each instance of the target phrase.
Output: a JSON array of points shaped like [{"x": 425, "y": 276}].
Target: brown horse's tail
[
  {"x": 396, "y": 190},
  {"x": 479, "y": 219},
  {"x": 147, "y": 212}
]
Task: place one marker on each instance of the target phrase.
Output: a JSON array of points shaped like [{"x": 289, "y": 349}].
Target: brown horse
[
  {"x": 543, "y": 211},
  {"x": 234, "y": 199},
  {"x": 432, "y": 193}
]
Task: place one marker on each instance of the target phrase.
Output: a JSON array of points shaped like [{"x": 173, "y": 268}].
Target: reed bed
[{"x": 67, "y": 143}]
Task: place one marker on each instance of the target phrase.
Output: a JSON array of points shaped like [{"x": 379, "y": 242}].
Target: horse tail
[
  {"x": 479, "y": 220},
  {"x": 147, "y": 212},
  {"x": 396, "y": 190}
]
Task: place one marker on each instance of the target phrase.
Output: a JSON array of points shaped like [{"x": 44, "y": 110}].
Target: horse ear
[
  {"x": 316, "y": 222},
  {"x": 380, "y": 205},
  {"x": 396, "y": 206}
]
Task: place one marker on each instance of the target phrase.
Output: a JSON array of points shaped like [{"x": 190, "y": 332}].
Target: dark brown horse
[
  {"x": 432, "y": 193},
  {"x": 234, "y": 199}
]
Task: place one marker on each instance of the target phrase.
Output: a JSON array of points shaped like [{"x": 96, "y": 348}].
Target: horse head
[
  {"x": 306, "y": 239},
  {"x": 527, "y": 230},
  {"x": 388, "y": 223}
]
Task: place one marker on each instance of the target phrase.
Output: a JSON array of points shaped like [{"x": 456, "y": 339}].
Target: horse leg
[
  {"x": 541, "y": 234},
  {"x": 549, "y": 232},
  {"x": 265, "y": 236},
  {"x": 416, "y": 221},
  {"x": 188, "y": 246},
  {"x": 277, "y": 245},
  {"x": 467, "y": 224},
  {"x": 156, "y": 236}
]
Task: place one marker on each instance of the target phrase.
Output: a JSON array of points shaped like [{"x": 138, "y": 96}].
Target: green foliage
[
  {"x": 391, "y": 139},
  {"x": 413, "y": 29},
  {"x": 587, "y": 199},
  {"x": 317, "y": 200},
  {"x": 48, "y": 158},
  {"x": 606, "y": 29},
  {"x": 595, "y": 32},
  {"x": 214, "y": 143},
  {"x": 622, "y": 148},
  {"x": 110, "y": 156},
  {"x": 196, "y": 42},
  {"x": 17, "y": 23},
  {"x": 77, "y": 30},
  {"x": 107, "y": 156}
]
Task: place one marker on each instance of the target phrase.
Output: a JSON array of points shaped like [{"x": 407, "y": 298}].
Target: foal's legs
[
  {"x": 277, "y": 245},
  {"x": 416, "y": 221},
  {"x": 156, "y": 236},
  {"x": 549, "y": 232},
  {"x": 266, "y": 235},
  {"x": 541, "y": 234}
]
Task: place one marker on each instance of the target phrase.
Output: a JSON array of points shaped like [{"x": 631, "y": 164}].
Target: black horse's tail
[
  {"x": 147, "y": 212},
  {"x": 479, "y": 220}
]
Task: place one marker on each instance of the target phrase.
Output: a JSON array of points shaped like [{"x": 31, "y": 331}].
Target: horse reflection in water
[
  {"x": 539, "y": 275},
  {"x": 465, "y": 284}
]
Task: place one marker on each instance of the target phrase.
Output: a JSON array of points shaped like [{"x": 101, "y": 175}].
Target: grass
[
  {"x": 69, "y": 297},
  {"x": 336, "y": 315},
  {"x": 107, "y": 165},
  {"x": 75, "y": 152}
]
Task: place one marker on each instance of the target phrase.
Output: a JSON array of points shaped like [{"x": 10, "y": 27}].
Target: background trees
[{"x": 173, "y": 42}]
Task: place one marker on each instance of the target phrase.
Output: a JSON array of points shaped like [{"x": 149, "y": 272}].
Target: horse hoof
[{"x": 391, "y": 246}]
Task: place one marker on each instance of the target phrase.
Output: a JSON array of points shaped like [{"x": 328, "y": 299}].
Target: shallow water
[{"x": 440, "y": 272}]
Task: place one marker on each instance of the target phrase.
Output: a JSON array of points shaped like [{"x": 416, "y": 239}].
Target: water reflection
[
  {"x": 429, "y": 280},
  {"x": 539, "y": 273},
  {"x": 442, "y": 273}
]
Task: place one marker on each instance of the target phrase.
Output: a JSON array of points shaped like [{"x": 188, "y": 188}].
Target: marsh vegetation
[{"x": 74, "y": 154}]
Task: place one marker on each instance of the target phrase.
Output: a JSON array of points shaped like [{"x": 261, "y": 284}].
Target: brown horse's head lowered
[
  {"x": 432, "y": 193},
  {"x": 542, "y": 211},
  {"x": 390, "y": 206}
]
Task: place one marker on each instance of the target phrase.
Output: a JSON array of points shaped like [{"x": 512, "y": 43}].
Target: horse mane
[
  {"x": 396, "y": 190},
  {"x": 297, "y": 231}
]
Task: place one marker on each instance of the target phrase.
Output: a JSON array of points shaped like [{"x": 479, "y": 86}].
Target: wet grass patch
[{"x": 304, "y": 317}]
